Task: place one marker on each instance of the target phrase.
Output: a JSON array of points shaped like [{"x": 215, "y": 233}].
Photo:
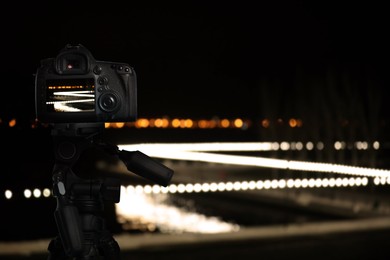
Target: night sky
[{"x": 205, "y": 58}]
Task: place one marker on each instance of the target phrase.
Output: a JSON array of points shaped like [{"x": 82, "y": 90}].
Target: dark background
[
  {"x": 325, "y": 62},
  {"x": 208, "y": 58}
]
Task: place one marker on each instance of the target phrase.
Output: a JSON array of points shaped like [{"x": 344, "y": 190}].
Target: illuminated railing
[
  {"x": 248, "y": 185},
  {"x": 297, "y": 183}
]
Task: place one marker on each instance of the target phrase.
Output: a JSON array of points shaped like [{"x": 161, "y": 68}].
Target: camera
[{"x": 73, "y": 87}]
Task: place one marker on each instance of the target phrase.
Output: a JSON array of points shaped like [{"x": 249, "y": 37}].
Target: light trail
[
  {"x": 195, "y": 152},
  {"x": 70, "y": 101},
  {"x": 202, "y": 147},
  {"x": 81, "y": 93}
]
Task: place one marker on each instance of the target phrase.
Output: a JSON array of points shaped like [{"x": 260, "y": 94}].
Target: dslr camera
[{"x": 73, "y": 87}]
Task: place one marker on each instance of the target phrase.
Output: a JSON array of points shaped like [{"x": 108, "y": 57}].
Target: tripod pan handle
[{"x": 146, "y": 167}]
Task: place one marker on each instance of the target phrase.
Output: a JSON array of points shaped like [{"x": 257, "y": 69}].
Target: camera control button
[
  {"x": 102, "y": 80},
  {"x": 97, "y": 70}
]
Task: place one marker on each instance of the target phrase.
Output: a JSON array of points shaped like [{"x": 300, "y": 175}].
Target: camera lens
[{"x": 109, "y": 102}]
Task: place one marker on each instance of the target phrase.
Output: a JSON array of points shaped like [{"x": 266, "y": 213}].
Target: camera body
[{"x": 73, "y": 87}]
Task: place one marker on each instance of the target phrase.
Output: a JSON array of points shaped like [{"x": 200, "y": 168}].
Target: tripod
[{"x": 83, "y": 182}]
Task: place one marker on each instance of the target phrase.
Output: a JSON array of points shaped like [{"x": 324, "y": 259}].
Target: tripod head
[{"x": 86, "y": 133}]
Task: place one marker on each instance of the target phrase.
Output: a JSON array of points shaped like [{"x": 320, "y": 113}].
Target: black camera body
[{"x": 74, "y": 87}]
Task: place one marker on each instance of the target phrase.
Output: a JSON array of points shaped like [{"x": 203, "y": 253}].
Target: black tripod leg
[
  {"x": 109, "y": 247},
  {"x": 56, "y": 250}
]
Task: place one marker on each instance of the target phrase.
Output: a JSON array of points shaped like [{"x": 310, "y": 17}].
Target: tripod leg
[
  {"x": 109, "y": 247},
  {"x": 56, "y": 250}
]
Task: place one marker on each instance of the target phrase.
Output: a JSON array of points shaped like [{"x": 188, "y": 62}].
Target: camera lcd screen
[{"x": 70, "y": 95}]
